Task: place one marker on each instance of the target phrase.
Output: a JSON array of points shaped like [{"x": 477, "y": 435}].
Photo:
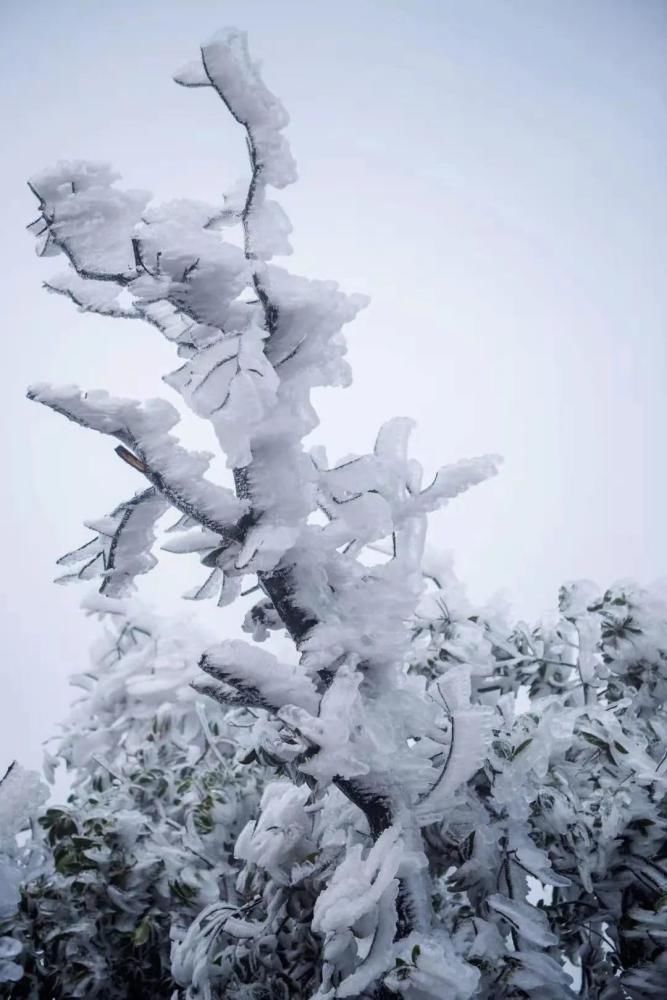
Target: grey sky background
[{"x": 491, "y": 173}]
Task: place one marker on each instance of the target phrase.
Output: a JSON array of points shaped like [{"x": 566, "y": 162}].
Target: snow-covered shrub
[
  {"x": 147, "y": 836},
  {"x": 21, "y": 794},
  {"x": 556, "y": 847},
  {"x": 426, "y": 767},
  {"x": 552, "y": 848}
]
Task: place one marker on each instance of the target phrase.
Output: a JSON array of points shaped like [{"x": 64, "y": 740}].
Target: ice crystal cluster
[{"x": 422, "y": 801}]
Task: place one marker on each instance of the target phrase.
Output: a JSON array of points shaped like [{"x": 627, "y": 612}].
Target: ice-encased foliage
[
  {"x": 21, "y": 794},
  {"x": 546, "y": 857},
  {"x": 555, "y": 848},
  {"x": 406, "y": 808},
  {"x": 146, "y": 838}
]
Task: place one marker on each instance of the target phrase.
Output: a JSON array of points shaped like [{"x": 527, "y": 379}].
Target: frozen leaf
[
  {"x": 529, "y": 922},
  {"x": 259, "y": 674}
]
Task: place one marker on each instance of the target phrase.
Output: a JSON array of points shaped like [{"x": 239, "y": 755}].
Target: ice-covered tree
[
  {"x": 255, "y": 340},
  {"x": 411, "y": 793}
]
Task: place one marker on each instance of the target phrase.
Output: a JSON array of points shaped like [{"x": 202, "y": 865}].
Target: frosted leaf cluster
[
  {"x": 146, "y": 838},
  {"x": 21, "y": 795},
  {"x": 552, "y": 853},
  {"x": 543, "y": 869}
]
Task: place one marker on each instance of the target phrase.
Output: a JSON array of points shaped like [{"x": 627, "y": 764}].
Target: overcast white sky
[{"x": 491, "y": 173}]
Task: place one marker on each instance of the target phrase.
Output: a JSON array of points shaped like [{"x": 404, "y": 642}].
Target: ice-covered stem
[
  {"x": 380, "y": 815},
  {"x": 263, "y": 118},
  {"x": 271, "y": 162},
  {"x": 278, "y": 583}
]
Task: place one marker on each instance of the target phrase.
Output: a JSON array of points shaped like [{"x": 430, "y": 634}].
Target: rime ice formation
[{"x": 406, "y": 800}]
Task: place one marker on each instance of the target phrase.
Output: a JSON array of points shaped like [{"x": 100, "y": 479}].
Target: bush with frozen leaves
[
  {"x": 21, "y": 794},
  {"x": 556, "y": 848},
  {"x": 146, "y": 839}
]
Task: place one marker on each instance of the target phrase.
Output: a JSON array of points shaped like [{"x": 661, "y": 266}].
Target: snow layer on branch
[
  {"x": 88, "y": 218},
  {"x": 243, "y": 666},
  {"x": 268, "y": 228},
  {"x": 254, "y": 385},
  {"x": 233, "y": 74},
  {"x": 122, "y": 418},
  {"x": 375, "y": 950},
  {"x": 91, "y": 295},
  {"x": 144, "y": 428},
  {"x": 452, "y": 480},
  {"x": 193, "y": 540}
]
